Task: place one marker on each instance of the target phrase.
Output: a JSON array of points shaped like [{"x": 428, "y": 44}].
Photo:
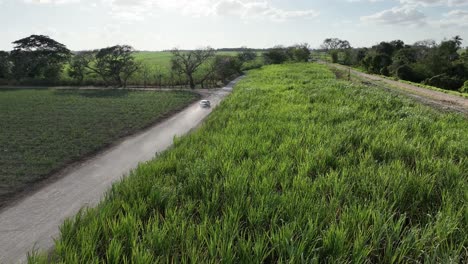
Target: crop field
[
  {"x": 294, "y": 167},
  {"x": 44, "y": 130},
  {"x": 163, "y": 58}
]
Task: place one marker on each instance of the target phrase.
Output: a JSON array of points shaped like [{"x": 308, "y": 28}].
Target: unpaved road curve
[
  {"x": 434, "y": 98},
  {"x": 34, "y": 221}
]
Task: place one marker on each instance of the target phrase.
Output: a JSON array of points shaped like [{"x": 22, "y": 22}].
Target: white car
[{"x": 205, "y": 103}]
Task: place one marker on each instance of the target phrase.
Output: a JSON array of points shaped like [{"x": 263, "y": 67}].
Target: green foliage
[
  {"x": 247, "y": 55},
  {"x": 464, "y": 89},
  {"x": 334, "y": 56},
  {"x": 384, "y": 71},
  {"x": 189, "y": 62},
  {"x": 115, "y": 65},
  {"x": 5, "y": 65},
  {"x": 406, "y": 73},
  {"x": 39, "y": 57},
  {"x": 441, "y": 65},
  {"x": 299, "y": 53},
  {"x": 227, "y": 68},
  {"x": 79, "y": 63},
  {"x": 276, "y": 55},
  {"x": 294, "y": 167},
  {"x": 44, "y": 130},
  {"x": 280, "y": 54},
  {"x": 335, "y": 44},
  {"x": 445, "y": 81}
]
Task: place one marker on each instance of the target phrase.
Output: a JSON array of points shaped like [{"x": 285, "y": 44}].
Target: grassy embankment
[
  {"x": 44, "y": 130},
  {"x": 294, "y": 166}
]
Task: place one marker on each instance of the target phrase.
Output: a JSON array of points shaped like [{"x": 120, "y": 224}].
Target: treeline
[
  {"x": 40, "y": 60},
  {"x": 280, "y": 54},
  {"x": 443, "y": 65}
]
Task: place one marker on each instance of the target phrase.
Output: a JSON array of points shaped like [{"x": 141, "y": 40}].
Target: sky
[{"x": 188, "y": 24}]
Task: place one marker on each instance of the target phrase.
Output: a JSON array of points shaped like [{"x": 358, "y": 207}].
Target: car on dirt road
[{"x": 205, "y": 103}]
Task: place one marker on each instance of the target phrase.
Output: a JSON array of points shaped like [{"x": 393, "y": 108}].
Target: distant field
[
  {"x": 159, "y": 67},
  {"x": 43, "y": 130},
  {"x": 294, "y": 167},
  {"x": 158, "y": 70},
  {"x": 155, "y": 58},
  {"x": 163, "y": 58}
]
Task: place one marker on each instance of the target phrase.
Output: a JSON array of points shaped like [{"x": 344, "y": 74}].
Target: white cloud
[
  {"x": 371, "y": 1},
  {"x": 454, "y": 19},
  {"x": 435, "y": 2},
  {"x": 397, "y": 16},
  {"x": 51, "y": 1},
  {"x": 257, "y": 9},
  {"x": 245, "y": 9}
]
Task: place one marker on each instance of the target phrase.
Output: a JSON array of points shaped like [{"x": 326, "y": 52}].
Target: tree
[
  {"x": 458, "y": 41},
  {"x": 79, "y": 65},
  {"x": 275, "y": 55},
  {"x": 405, "y": 72},
  {"x": 115, "y": 64},
  {"x": 38, "y": 56},
  {"x": 189, "y": 61},
  {"x": 227, "y": 67},
  {"x": 427, "y": 43},
  {"x": 5, "y": 65},
  {"x": 335, "y": 44},
  {"x": 385, "y": 48},
  {"x": 299, "y": 52},
  {"x": 246, "y": 55}
]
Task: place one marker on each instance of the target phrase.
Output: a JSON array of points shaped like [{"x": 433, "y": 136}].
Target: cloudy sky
[{"x": 164, "y": 24}]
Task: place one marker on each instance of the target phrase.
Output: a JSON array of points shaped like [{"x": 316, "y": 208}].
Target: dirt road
[
  {"x": 34, "y": 221},
  {"x": 430, "y": 97}
]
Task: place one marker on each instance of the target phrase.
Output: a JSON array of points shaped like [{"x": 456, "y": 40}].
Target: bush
[
  {"x": 384, "y": 71},
  {"x": 464, "y": 89},
  {"x": 334, "y": 56},
  {"x": 406, "y": 73},
  {"x": 276, "y": 55},
  {"x": 445, "y": 82},
  {"x": 252, "y": 65}
]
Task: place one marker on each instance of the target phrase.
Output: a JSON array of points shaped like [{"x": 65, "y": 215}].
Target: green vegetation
[
  {"x": 443, "y": 65},
  {"x": 465, "y": 88},
  {"x": 44, "y": 130},
  {"x": 295, "y": 166}
]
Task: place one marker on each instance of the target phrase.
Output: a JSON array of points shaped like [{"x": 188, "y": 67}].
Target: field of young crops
[
  {"x": 293, "y": 167},
  {"x": 43, "y": 130}
]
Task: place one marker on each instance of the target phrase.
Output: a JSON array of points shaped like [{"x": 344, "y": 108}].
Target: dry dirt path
[
  {"x": 433, "y": 98},
  {"x": 34, "y": 221}
]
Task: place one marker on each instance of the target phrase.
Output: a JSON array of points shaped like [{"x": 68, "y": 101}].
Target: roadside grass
[
  {"x": 457, "y": 93},
  {"x": 44, "y": 130},
  {"x": 294, "y": 167}
]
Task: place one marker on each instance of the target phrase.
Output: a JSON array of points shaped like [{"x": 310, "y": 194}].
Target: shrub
[
  {"x": 252, "y": 65},
  {"x": 276, "y": 55},
  {"x": 445, "y": 82},
  {"x": 334, "y": 56},
  {"x": 384, "y": 71},
  {"x": 464, "y": 89},
  {"x": 406, "y": 73}
]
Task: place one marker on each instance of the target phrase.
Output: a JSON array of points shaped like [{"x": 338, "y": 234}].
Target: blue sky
[{"x": 165, "y": 24}]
